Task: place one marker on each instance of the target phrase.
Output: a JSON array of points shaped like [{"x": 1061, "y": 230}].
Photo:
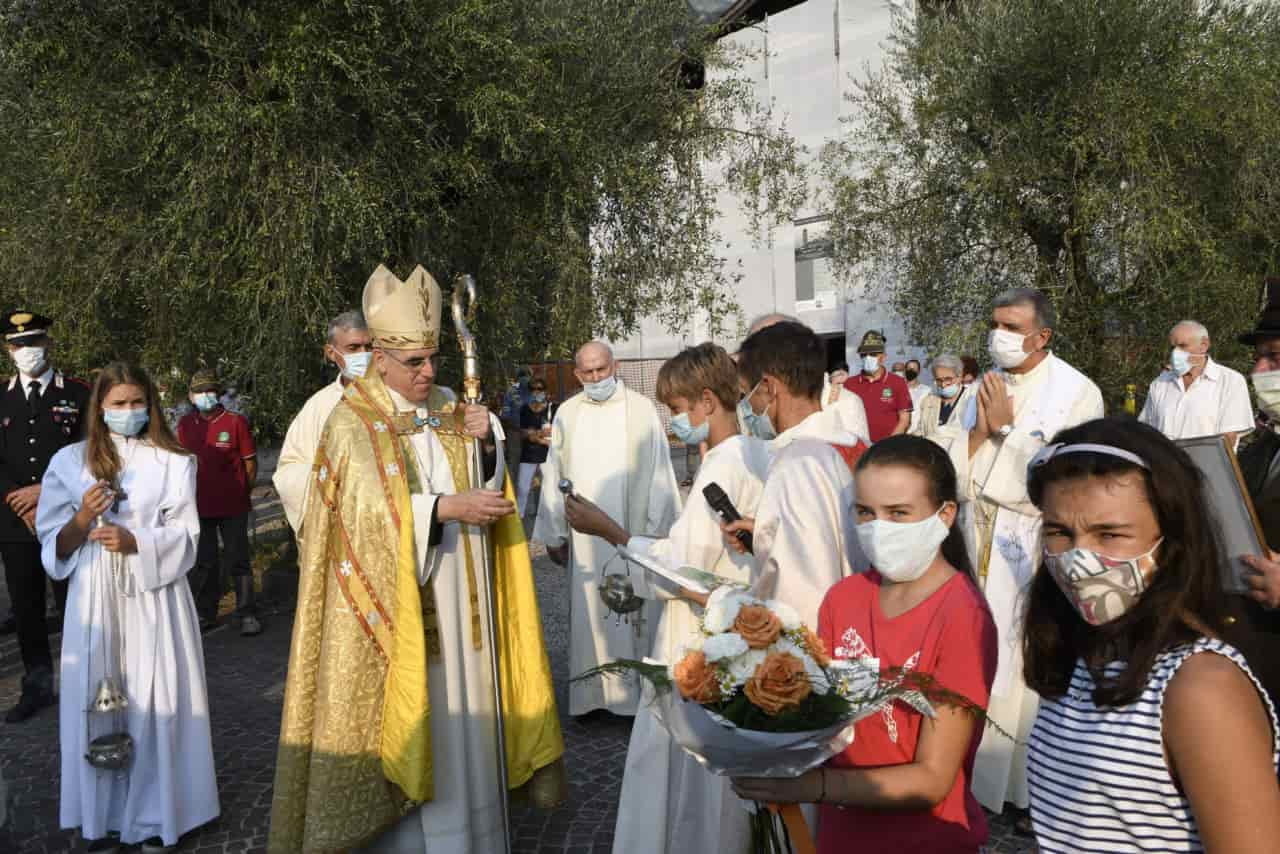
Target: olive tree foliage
[
  {"x": 188, "y": 183},
  {"x": 1122, "y": 155}
]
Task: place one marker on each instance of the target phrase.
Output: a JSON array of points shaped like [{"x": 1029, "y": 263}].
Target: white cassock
[
  {"x": 1002, "y": 532},
  {"x": 804, "y": 535},
  {"x": 670, "y": 804},
  {"x": 170, "y": 787},
  {"x": 466, "y": 816},
  {"x": 845, "y": 414},
  {"x": 617, "y": 456},
  {"x": 293, "y": 469}
]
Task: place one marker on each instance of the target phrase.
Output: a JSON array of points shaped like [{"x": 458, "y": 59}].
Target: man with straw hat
[{"x": 388, "y": 739}]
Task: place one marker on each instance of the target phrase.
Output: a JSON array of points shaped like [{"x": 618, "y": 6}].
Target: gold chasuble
[{"x": 355, "y": 740}]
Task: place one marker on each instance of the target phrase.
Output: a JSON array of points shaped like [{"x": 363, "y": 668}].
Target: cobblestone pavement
[{"x": 246, "y": 690}]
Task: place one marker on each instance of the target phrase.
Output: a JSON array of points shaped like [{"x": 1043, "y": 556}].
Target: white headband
[{"x": 1050, "y": 451}]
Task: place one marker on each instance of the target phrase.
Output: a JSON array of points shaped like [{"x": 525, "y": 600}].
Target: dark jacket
[
  {"x": 1254, "y": 630},
  {"x": 30, "y": 434}
]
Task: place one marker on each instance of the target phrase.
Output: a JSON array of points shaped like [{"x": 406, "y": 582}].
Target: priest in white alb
[
  {"x": 349, "y": 349},
  {"x": 609, "y": 441},
  {"x": 1016, "y": 411},
  {"x": 388, "y": 740}
]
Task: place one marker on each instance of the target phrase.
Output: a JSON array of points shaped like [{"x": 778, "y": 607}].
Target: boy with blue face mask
[{"x": 228, "y": 465}]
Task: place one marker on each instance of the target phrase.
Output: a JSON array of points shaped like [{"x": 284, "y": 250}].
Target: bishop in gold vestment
[{"x": 387, "y": 741}]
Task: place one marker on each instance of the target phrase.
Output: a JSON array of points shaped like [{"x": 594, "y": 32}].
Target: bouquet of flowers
[{"x": 755, "y": 693}]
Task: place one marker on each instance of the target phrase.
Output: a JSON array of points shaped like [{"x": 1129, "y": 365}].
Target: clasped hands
[
  {"x": 473, "y": 507},
  {"x": 995, "y": 409},
  {"x": 114, "y": 538}
]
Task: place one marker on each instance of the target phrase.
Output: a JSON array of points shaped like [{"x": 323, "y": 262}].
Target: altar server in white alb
[
  {"x": 349, "y": 347},
  {"x": 1197, "y": 396},
  {"x": 610, "y": 442},
  {"x": 841, "y": 412},
  {"x": 1013, "y": 414},
  {"x": 117, "y": 516},
  {"x": 670, "y": 804},
  {"x": 803, "y": 530}
]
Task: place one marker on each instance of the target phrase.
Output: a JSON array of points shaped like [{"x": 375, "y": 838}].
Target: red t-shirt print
[
  {"x": 950, "y": 636},
  {"x": 221, "y": 444},
  {"x": 883, "y": 399}
]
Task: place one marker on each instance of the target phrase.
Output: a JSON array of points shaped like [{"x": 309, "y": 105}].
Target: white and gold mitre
[{"x": 403, "y": 315}]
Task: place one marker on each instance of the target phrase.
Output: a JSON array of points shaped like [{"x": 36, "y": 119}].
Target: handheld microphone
[{"x": 721, "y": 504}]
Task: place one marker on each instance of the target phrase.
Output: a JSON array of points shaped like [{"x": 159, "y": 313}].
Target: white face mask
[
  {"x": 354, "y": 365},
  {"x": 1180, "y": 361},
  {"x": 1005, "y": 348},
  {"x": 902, "y": 551},
  {"x": 1266, "y": 387},
  {"x": 601, "y": 391},
  {"x": 30, "y": 360},
  {"x": 870, "y": 363}
]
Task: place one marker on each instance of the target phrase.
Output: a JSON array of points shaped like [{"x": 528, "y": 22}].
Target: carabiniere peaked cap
[
  {"x": 1269, "y": 322},
  {"x": 22, "y": 325},
  {"x": 403, "y": 315}
]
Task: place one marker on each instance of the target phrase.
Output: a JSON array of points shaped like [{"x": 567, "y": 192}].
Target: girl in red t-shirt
[{"x": 903, "y": 785}]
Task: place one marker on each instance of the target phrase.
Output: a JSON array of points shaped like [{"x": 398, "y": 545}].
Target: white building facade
[{"x": 804, "y": 62}]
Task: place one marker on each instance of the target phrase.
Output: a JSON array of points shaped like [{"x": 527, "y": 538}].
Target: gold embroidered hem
[{"x": 355, "y": 751}]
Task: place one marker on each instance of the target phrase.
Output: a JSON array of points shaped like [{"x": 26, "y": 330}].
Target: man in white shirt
[
  {"x": 1197, "y": 396},
  {"x": 349, "y": 347},
  {"x": 919, "y": 391}
]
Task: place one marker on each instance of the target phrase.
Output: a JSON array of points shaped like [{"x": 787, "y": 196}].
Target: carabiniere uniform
[{"x": 31, "y": 432}]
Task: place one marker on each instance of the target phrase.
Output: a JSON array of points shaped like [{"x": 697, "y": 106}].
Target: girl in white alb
[{"x": 117, "y": 516}]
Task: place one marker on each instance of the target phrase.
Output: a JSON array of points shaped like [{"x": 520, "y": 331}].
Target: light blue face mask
[
  {"x": 355, "y": 365},
  {"x": 125, "y": 422},
  {"x": 1180, "y": 361},
  {"x": 949, "y": 391},
  {"x": 601, "y": 391},
  {"x": 205, "y": 401},
  {"x": 539, "y": 397},
  {"x": 686, "y": 432},
  {"x": 757, "y": 425}
]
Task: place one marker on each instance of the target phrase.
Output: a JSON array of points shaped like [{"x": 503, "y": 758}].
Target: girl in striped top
[{"x": 1153, "y": 734}]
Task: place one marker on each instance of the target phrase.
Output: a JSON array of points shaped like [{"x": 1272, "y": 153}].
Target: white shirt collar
[
  {"x": 403, "y": 404},
  {"x": 1212, "y": 372},
  {"x": 814, "y": 426},
  {"x": 45, "y": 380}
]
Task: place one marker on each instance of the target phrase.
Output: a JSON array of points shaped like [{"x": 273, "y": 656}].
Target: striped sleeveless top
[{"x": 1098, "y": 777}]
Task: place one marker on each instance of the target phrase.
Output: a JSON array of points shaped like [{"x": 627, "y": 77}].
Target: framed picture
[{"x": 1230, "y": 508}]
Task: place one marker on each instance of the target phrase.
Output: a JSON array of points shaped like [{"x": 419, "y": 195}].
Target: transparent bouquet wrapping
[{"x": 726, "y": 749}]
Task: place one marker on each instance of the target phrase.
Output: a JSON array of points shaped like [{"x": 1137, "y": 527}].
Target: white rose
[
  {"x": 723, "y": 610},
  {"x": 817, "y": 678},
  {"x": 724, "y": 645},
  {"x": 744, "y": 666},
  {"x": 788, "y": 616}
]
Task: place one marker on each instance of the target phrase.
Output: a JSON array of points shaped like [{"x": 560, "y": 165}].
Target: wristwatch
[{"x": 1005, "y": 431}]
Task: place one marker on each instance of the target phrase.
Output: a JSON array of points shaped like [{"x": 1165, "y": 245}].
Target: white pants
[{"x": 524, "y": 483}]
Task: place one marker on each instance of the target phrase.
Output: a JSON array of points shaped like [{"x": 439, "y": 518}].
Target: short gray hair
[
  {"x": 1197, "y": 328},
  {"x": 346, "y": 322},
  {"x": 593, "y": 343},
  {"x": 948, "y": 361},
  {"x": 1036, "y": 299}
]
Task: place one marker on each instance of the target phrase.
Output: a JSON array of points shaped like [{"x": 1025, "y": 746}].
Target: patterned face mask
[{"x": 1101, "y": 588}]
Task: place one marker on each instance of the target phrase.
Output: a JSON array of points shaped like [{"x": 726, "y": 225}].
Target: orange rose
[
  {"x": 757, "y": 625},
  {"x": 780, "y": 682},
  {"x": 695, "y": 680},
  {"x": 817, "y": 649}
]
